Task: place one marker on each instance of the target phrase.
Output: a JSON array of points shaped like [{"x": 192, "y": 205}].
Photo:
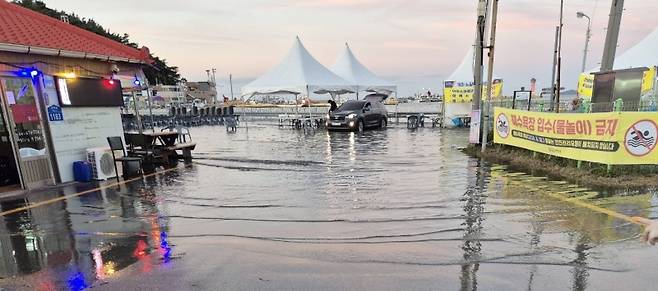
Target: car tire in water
[
  {"x": 383, "y": 123},
  {"x": 359, "y": 126}
]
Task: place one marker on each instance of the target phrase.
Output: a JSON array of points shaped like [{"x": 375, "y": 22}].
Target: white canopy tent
[
  {"x": 351, "y": 69},
  {"x": 464, "y": 72},
  {"x": 643, "y": 54},
  {"x": 298, "y": 73}
]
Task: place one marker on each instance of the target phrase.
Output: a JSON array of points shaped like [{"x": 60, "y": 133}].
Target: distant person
[
  {"x": 650, "y": 234},
  {"x": 333, "y": 106}
]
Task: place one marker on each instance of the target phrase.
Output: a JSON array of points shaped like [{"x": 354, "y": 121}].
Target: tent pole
[
  {"x": 397, "y": 104},
  {"x": 296, "y": 105},
  {"x": 443, "y": 106},
  {"x": 310, "y": 114},
  {"x": 246, "y": 121}
]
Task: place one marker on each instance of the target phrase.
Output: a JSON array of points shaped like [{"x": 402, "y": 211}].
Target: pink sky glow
[{"x": 416, "y": 43}]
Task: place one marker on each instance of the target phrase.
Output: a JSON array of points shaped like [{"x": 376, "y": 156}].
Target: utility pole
[
  {"x": 557, "y": 35},
  {"x": 478, "y": 68},
  {"x": 588, "y": 36},
  {"x": 479, "y": 47},
  {"x": 559, "y": 59},
  {"x": 230, "y": 81},
  {"x": 611, "y": 37},
  {"x": 492, "y": 44}
]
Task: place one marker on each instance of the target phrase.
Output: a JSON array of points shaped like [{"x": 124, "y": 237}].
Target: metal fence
[{"x": 275, "y": 111}]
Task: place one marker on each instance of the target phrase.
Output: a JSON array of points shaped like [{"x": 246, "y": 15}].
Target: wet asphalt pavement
[{"x": 276, "y": 209}]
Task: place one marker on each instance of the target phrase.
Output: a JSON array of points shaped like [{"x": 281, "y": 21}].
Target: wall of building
[
  {"x": 205, "y": 91},
  {"x": 81, "y": 128}
]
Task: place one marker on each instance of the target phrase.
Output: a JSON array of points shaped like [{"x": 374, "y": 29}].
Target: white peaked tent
[
  {"x": 643, "y": 54},
  {"x": 351, "y": 69},
  {"x": 298, "y": 73},
  {"x": 464, "y": 72}
]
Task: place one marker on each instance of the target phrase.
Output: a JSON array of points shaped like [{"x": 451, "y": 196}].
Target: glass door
[
  {"x": 9, "y": 178},
  {"x": 28, "y": 131}
]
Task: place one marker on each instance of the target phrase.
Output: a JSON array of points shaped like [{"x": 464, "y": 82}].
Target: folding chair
[{"x": 116, "y": 144}]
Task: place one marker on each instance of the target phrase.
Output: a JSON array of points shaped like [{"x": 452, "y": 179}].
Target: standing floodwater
[{"x": 277, "y": 209}]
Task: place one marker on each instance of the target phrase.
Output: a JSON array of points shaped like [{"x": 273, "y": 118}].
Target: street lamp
[{"x": 588, "y": 35}]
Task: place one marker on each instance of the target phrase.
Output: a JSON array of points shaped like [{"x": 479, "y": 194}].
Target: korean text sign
[{"x": 620, "y": 138}]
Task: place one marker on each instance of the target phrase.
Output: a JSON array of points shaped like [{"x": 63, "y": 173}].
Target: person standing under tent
[{"x": 333, "y": 105}]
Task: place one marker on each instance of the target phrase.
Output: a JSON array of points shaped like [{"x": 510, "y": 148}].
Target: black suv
[{"x": 357, "y": 115}]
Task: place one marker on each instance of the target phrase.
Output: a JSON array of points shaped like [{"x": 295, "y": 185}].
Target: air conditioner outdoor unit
[{"x": 101, "y": 162}]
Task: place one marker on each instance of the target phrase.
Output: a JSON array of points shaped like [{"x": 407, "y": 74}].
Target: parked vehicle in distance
[{"x": 358, "y": 115}]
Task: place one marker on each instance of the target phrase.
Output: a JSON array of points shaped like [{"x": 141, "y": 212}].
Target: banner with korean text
[
  {"x": 462, "y": 92},
  {"x": 615, "y": 138}
]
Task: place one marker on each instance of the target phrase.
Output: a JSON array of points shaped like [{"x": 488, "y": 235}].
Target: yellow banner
[
  {"x": 648, "y": 81},
  {"x": 616, "y": 138},
  {"x": 462, "y": 92},
  {"x": 586, "y": 84}
]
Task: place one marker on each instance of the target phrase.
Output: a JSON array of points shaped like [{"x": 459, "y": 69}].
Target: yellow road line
[
  {"x": 50, "y": 201},
  {"x": 581, "y": 203}
]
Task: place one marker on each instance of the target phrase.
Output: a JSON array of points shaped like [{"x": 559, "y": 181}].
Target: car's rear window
[{"x": 355, "y": 105}]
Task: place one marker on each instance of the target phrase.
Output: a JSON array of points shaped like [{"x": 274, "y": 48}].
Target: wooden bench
[{"x": 186, "y": 148}]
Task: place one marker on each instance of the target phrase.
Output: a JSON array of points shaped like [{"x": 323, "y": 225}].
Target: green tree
[{"x": 159, "y": 71}]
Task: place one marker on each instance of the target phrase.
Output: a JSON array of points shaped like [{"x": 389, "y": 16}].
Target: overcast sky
[{"x": 416, "y": 43}]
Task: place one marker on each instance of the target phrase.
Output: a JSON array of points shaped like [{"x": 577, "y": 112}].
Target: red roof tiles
[{"x": 22, "y": 26}]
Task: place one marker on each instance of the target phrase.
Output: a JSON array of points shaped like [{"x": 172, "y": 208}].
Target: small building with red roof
[{"x": 61, "y": 91}]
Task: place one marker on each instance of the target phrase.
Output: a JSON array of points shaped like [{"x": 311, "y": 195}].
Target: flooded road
[{"x": 276, "y": 209}]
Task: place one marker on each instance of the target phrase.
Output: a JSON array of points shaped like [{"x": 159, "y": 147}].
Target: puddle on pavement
[{"x": 395, "y": 197}]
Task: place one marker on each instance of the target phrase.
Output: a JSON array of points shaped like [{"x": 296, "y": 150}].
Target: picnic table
[
  {"x": 290, "y": 119},
  {"x": 166, "y": 138},
  {"x": 159, "y": 148}
]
